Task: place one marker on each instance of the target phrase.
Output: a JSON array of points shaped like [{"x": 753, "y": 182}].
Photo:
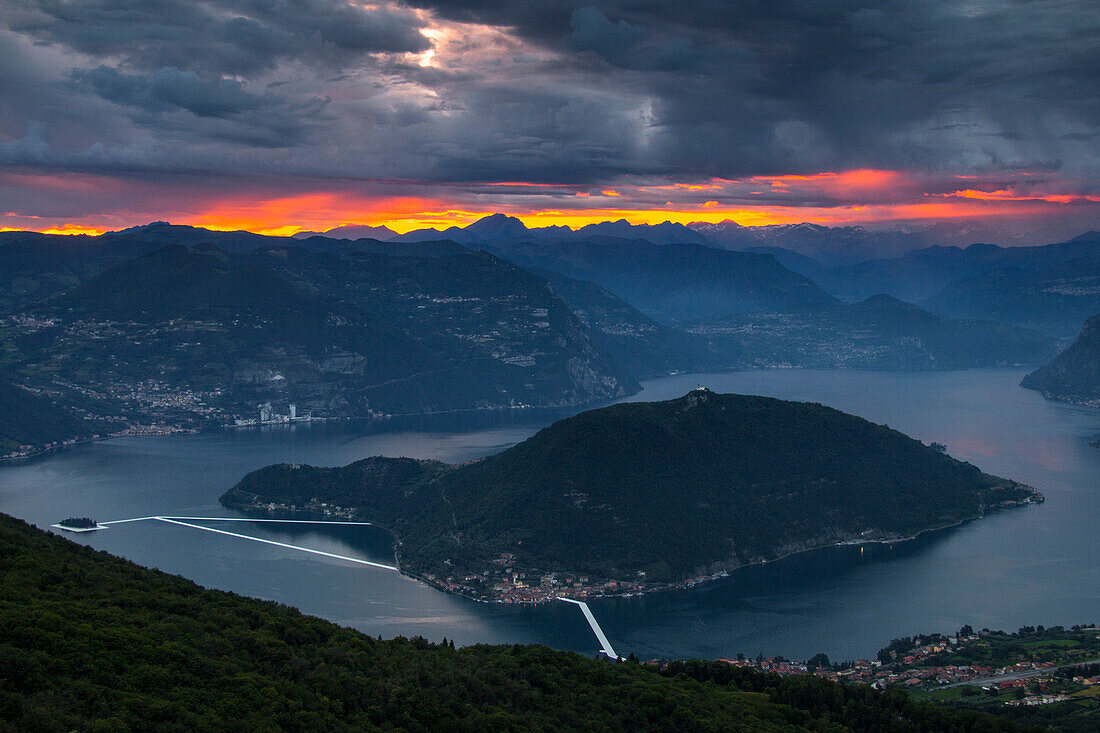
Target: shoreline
[
  {"x": 1036, "y": 498},
  {"x": 502, "y": 408},
  {"x": 275, "y": 424},
  {"x": 100, "y": 439},
  {"x": 696, "y": 582}
]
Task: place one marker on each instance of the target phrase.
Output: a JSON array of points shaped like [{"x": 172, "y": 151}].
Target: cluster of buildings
[
  {"x": 268, "y": 416},
  {"x": 25, "y": 450},
  {"x": 121, "y": 398},
  {"x": 312, "y": 508},
  {"x": 861, "y": 670},
  {"x": 898, "y": 674},
  {"x": 503, "y": 582},
  {"x": 1038, "y": 700},
  {"x": 159, "y": 398},
  {"x": 916, "y": 669},
  {"x": 31, "y": 322}
]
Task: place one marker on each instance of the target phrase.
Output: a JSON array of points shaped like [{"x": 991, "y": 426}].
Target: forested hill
[
  {"x": 28, "y": 419},
  {"x": 1074, "y": 376},
  {"x": 338, "y": 335},
  {"x": 94, "y": 642},
  {"x": 650, "y": 493}
]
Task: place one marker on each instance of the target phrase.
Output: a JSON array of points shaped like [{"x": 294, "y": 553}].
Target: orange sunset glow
[{"x": 856, "y": 197}]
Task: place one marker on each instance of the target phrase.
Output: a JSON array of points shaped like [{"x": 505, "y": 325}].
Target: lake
[{"x": 1035, "y": 565}]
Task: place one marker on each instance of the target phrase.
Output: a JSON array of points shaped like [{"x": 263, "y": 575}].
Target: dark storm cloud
[
  {"x": 172, "y": 89},
  {"x": 232, "y": 37},
  {"x": 188, "y": 75},
  {"x": 549, "y": 91},
  {"x": 742, "y": 87}
]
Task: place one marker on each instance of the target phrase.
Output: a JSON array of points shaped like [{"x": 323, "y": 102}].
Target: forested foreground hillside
[{"x": 94, "y": 642}]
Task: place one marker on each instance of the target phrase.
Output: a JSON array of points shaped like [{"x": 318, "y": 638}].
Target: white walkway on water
[
  {"x": 605, "y": 645},
  {"x": 600, "y": 636},
  {"x": 187, "y": 522}
]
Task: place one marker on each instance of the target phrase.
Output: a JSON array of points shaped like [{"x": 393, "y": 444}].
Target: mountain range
[
  {"x": 182, "y": 327},
  {"x": 925, "y": 266},
  {"x": 339, "y": 335},
  {"x": 1057, "y": 299},
  {"x": 29, "y": 420},
  {"x": 921, "y": 273},
  {"x": 843, "y": 245}
]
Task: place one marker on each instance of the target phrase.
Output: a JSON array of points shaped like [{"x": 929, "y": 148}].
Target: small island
[
  {"x": 78, "y": 524},
  {"x": 644, "y": 496}
]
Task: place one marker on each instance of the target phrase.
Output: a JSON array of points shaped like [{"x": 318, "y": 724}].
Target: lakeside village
[
  {"x": 502, "y": 581},
  {"x": 267, "y": 416},
  {"x": 29, "y": 451},
  {"x": 116, "y": 402},
  {"x": 159, "y": 397},
  {"x": 1032, "y": 667},
  {"x": 1054, "y": 665}
]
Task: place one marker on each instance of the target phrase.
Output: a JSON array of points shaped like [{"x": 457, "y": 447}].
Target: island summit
[{"x": 646, "y": 495}]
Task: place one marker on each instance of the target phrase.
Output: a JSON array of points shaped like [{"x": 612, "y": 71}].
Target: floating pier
[
  {"x": 189, "y": 522},
  {"x": 600, "y": 636}
]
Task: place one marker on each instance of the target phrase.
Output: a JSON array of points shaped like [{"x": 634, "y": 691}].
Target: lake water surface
[{"x": 1035, "y": 565}]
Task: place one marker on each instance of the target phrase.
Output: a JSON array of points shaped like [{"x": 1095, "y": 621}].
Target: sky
[{"x": 286, "y": 115}]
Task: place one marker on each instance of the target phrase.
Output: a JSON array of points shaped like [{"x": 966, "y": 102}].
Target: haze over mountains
[
  {"x": 1074, "y": 376},
  {"x": 880, "y": 332},
  {"x": 674, "y": 282},
  {"x": 948, "y": 268},
  {"x": 185, "y": 327}
]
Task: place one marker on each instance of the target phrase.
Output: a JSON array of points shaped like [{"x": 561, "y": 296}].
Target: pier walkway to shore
[
  {"x": 189, "y": 522},
  {"x": 600, "y": 636},
  {"x": 605, "y": 645}
]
